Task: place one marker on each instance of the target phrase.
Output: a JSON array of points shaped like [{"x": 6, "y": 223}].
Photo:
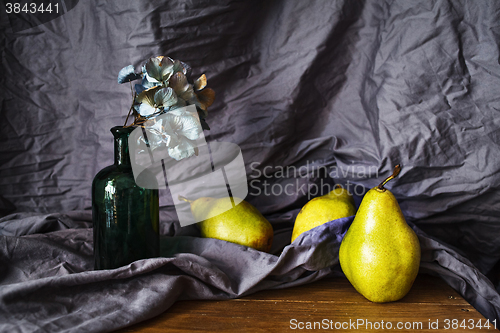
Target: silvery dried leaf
[{"x": 127, "y": 74}]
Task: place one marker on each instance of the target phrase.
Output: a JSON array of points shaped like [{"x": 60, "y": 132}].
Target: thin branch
[{"x": 132, "y": 106}]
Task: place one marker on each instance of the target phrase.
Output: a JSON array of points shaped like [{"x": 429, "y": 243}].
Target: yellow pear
[
  {"x": 380, "y": 253},
  {"x": 334, "y": 205},
  {"x": 241, "y": 224}
]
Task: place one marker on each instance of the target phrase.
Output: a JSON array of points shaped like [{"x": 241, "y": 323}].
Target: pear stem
[
  {"x": 184, "y": 199},
  {"x": 395, "y": 173}
]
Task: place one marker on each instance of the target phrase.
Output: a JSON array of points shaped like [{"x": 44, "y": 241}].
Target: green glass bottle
[{"x": 125, "y": 216}]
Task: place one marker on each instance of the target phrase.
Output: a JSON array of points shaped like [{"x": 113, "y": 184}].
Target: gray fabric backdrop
[{"x": 339, "y": 90}]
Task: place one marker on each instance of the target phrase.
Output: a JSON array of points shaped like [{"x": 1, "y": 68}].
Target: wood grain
[{"x": 330, "y": 304}]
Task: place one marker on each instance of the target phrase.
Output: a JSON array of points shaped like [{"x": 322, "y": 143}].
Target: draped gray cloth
[{"x": 313, "y": 92}]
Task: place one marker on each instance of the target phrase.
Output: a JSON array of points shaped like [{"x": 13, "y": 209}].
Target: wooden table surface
[{"x": 330, "y": 304}]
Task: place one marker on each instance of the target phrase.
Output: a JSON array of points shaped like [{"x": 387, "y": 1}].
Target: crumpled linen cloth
[{"x": 48, "y": 283}]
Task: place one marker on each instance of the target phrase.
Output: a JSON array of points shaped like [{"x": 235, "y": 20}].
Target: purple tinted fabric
[{"x": 314, "y": 93}]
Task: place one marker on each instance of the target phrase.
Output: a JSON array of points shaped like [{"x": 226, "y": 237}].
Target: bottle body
[{"x": 125, "y": 216}]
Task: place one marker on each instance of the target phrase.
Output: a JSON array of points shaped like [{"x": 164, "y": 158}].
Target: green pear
[
  {"x": 334, "y": 205},
  {"x": 241, "y": 224},
  {"x": 380, "y": 253}
]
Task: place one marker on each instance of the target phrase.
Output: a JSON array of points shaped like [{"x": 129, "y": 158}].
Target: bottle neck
[{"x": 122, "y": 155}]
